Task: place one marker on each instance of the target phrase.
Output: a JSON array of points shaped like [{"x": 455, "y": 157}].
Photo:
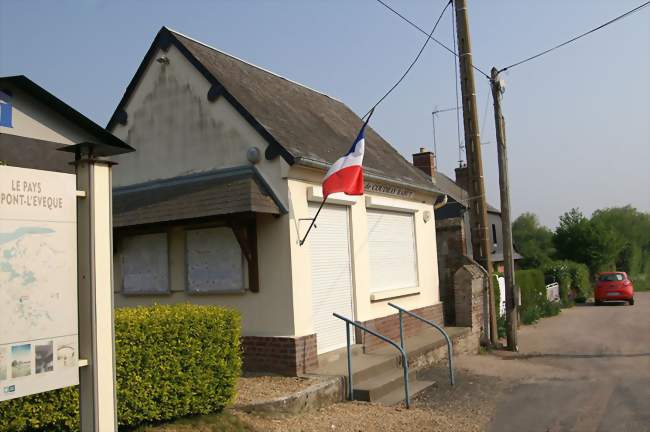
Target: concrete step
[
  {"x": 364, "y": 365},
  {"x": 381, "y": 384},
  {"x": 397, "y": 396}
]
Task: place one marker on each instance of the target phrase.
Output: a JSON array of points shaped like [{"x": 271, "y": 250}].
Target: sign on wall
[{"x": 38, "y": 282}]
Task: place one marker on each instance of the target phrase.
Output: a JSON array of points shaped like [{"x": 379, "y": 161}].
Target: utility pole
[
  {"x": 504, "y": 188},
  {"x": 477, "y": 204}
]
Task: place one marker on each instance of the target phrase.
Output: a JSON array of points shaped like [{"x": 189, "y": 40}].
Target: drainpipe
[{"x": 441, "y": 204}]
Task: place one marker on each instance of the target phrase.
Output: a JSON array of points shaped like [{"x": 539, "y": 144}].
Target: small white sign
[{"x": 38, "y": 282}]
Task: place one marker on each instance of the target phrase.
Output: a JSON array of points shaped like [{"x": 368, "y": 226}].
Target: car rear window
[{"x": 611, "y": 277}]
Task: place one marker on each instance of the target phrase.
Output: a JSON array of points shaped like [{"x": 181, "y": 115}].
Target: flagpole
[{"x": 313, "y": 221}]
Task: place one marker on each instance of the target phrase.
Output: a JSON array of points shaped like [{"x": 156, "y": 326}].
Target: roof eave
[{"x": 311, "y": 163}]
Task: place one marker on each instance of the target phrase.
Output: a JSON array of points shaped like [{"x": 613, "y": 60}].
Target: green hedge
[
  {"x": 534, "y": 303},
  {"x": 171, "y": 361}
]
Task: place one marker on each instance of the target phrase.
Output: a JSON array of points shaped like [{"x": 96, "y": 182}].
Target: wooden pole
[
  {"x": 506, "y": 225},
  {"x": 477, "y": 204}
]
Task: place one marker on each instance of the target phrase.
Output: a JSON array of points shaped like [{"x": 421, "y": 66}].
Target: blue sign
[{"x": 5, "y": 110}]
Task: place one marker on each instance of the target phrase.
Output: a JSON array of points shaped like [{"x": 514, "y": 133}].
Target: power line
[
  {"x": 424, "y": 32},
  {"x": 415, "y": 60},
  {"x": 630, "y": 12}
]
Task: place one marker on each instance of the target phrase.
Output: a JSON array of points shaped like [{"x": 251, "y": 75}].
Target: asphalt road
[{"x": 587, "y": 369}]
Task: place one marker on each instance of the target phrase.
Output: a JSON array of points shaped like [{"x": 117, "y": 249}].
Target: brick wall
[
  {"x": 450, "y": 240},
  {"x": 290, "y": 356},
  {"x": 469, "y": 283},
  {"x": 389, "y": 326}
]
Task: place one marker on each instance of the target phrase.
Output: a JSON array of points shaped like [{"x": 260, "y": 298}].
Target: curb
[{"x": 328, "y": 391}]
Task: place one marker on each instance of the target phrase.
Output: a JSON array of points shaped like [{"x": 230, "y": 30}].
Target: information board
[{"x": 38, "y": 282}]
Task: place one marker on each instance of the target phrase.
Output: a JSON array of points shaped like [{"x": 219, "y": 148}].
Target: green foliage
[
  {"x": 633, "y": 230},
  {"x": 580, "y": 284},
  {"x": 561, "y": 273},
  {"x": 593, "y": 243},
  {"x": 533, "y": 294},
  {"x": 54, "y": 411},
  {"x": 171, "y": 361},
  {"x": 532, "y": 240}
]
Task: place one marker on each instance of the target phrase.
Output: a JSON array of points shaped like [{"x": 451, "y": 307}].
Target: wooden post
[
  {"x": 477, "y": 204},
  {"x": 506, "y": 225}
]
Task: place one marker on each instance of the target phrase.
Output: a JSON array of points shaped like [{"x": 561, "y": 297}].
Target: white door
[{"x": 331, "y": 275}]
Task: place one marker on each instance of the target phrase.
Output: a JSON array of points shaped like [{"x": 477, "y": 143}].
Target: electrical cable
[
  {"x": 430, "y": 37},
  {"x": 630, "y": 12},
  {"x": 417, "y": 57}
]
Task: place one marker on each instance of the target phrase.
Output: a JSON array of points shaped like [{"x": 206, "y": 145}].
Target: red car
[{"x": 614, "y": 286}]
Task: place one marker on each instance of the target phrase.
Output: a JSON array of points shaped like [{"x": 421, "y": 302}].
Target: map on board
[{"x": 38, "y": 282}]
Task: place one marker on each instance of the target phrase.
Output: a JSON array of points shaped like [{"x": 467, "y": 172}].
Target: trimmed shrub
[
  {"x": 171, "y": 361},
  {"x": 533, "y": 294}
]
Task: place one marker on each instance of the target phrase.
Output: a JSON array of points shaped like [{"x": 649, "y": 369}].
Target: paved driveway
[{"x": 587, "y": 369}]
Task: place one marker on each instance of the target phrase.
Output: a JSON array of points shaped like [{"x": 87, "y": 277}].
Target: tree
[
  {"x": 633, "y": 230},
  {"x": 593, "y": 243},
  {"x": 532, "y": 240}
]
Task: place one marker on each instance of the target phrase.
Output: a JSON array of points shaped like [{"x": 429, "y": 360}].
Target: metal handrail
[
  {"x": 440, "y": 329},
  {"x": 405, "y": 363}
]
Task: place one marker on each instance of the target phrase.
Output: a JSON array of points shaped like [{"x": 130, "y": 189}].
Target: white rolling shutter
[
  {"x": 331, "y": 275},
  {"x": 391, "y": 245}
]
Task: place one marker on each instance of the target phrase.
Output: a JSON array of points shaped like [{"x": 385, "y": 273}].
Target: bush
[
  {"x": 171, "y": 361},
  {"x": 573, "y": 279},
  {"x": 533, "y": 294},
  {"x": 559, "y": 271},
  {"x": 580, "y": 281}
]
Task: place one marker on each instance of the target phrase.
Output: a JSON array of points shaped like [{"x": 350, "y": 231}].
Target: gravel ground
[
  {"x": 467, "y": 407},
  {"x": 257, "y": 388}
]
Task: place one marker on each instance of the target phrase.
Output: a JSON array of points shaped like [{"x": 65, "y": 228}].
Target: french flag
[{"x": 346, "y": 174}]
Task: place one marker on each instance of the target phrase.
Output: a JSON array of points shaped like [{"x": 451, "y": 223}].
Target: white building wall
[
  {"x": 425, "y": 294},
  {"x": 176, "y": 131}
]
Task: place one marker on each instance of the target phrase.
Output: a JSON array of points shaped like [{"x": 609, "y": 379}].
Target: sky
[{"x": 578, "y": 119}]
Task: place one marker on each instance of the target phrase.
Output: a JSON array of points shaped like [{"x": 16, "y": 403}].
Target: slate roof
[
  {"x": 457, "y": 193},
  {"x": 304, "y": 125}
]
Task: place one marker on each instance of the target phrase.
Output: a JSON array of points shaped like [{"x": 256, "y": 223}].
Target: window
[
  {"x": 5, "y": 109},
  {"x": 611, "y": 277},
  {"x": 494, "y": 234},
  {"x": 391, "y": 245},
  {"x": 145, "y": 268},
  {"x": 214, "y": 261}
]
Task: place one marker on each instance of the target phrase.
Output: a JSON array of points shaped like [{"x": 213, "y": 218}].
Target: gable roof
[
  {"x": 112, "y": 144},
  {"x": 457, "y": 193},
  {"x": 300, "y": 124}
]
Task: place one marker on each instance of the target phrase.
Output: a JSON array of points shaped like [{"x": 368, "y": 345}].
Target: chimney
[
  {"x": 462, "y": 177},
  {"x": 425, "y": 161}
]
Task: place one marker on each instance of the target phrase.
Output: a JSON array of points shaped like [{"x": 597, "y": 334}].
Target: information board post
[{"x": 95, "y": 280}]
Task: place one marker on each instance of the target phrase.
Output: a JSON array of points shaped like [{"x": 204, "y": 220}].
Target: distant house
[
  {"x": 35, "y": 125},
  {"x": 452, "y": 227},
  {"x": 211, "y": 207}
]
